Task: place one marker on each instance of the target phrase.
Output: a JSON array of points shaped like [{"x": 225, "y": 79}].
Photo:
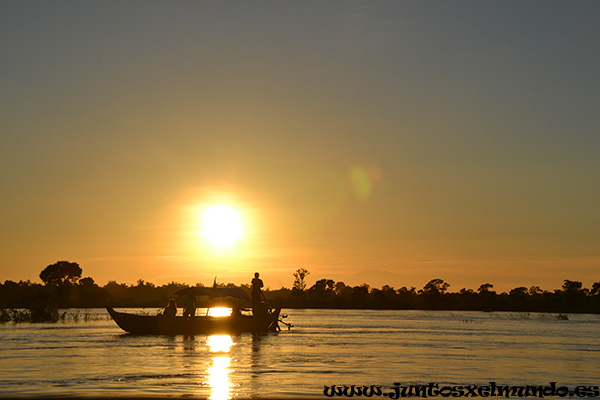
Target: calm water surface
[{"x": 326, "y": 347}]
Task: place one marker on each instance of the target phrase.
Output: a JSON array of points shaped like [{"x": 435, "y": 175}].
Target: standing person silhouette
[
  {"x": 190, "y": 306},
  {"x": 257, "y": 285}
]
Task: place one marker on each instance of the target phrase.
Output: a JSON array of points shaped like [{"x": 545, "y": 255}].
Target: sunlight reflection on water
[
  {"x": 218, "y": 373},
  {"x": 337, "y": 347},
  {"x": 218, "y": 377},
  {"x": 219, "y": 343}
]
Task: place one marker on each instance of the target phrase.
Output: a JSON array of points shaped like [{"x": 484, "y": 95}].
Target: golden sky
[{"x": 378, "y": 142}]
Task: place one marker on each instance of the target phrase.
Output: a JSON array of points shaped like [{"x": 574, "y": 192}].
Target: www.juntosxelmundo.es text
[{"x": 436, "y": 390}]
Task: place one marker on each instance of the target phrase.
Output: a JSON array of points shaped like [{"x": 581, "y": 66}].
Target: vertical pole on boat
[{"x": 211, "y": 295}]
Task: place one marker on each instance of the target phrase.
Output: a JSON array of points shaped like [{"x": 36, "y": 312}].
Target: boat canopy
[{"x": 214, "y": 292}]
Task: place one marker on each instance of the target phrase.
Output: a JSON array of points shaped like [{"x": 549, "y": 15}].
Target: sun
[{"x": 221, "y": 226}]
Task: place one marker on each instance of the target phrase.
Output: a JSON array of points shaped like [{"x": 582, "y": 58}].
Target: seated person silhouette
[{"x": 171, "y": 309}]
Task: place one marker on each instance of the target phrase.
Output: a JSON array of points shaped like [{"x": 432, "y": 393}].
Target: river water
[{"x": 94, "y": 357}]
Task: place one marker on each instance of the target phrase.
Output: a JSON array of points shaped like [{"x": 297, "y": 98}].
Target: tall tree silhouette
[
  {"x": 433, "y": 293},
  {"x": 60, "y": 273},
  {"x": 299, "y": 275}
]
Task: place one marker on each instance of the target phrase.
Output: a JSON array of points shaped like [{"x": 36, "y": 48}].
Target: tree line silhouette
[{"x": 63, "y": 287}]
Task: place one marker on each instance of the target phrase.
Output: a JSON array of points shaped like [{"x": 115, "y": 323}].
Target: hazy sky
[{"x": 386, "y": 142}]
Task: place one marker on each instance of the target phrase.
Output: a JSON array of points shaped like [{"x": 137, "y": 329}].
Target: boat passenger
[
  {"x": 171, "y": 309},
  {"x": 189, "y": 310},
  {"x": 257, "y": 285}
]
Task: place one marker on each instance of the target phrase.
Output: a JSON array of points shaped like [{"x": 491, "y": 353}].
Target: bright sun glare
[
  {"x": 219, "y": 312},
  {"x": 221, "y": 226}
]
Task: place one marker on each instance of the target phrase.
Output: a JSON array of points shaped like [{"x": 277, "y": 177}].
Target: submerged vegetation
[
  {"x": 63, "y": 288},
  {"x": 48, "y": 314}
]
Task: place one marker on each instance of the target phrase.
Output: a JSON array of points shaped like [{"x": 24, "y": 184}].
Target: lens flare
[{"x": 362, "y": 181}]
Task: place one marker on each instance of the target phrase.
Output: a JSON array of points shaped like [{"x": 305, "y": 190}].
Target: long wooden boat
[{"x": 167, "y": 325}]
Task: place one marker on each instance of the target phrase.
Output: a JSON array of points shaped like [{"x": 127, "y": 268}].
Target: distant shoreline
[{"x": 325, "y": 294}]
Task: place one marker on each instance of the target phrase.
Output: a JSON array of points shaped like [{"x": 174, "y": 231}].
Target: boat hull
[{"x": 163, "y": 325}]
